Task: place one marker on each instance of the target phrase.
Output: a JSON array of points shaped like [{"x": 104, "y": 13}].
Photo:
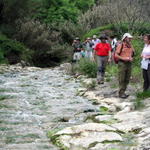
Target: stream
[{"x": 35, "y": 102}]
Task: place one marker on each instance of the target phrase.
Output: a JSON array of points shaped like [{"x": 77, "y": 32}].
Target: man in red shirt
[{"x": 103, "y": 54}]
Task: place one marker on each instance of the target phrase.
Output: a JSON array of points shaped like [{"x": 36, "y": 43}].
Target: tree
[{"x": 13, "y": 10}]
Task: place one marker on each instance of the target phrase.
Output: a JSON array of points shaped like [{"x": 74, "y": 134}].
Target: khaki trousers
[{"x": 124, "y": 75}]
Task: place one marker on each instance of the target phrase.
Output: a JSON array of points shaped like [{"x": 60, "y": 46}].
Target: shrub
[
  {"x": 12, "y": 51},
  {"x": 88, "y": 67},
  {"x": 46, "y": 43},
  {"x": 117, "y": 12}
]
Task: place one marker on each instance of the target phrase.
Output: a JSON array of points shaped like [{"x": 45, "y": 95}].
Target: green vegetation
[
  {"x": 55, "y": 139},
  {"x": 143, "y": 95},
  {"x": 87, "y": 67},
  {"x": 98, "y": 31},
  {"x": 12, "y": 51},
  {"x": 40, "y": 32},
  {"x": 139, "y": 103}
]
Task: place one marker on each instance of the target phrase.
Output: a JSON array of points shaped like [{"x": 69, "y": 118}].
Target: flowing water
[{"x": 32, "y": 103}]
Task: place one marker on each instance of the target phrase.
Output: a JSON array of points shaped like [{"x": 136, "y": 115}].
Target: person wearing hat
[
  {"x": 95, "y": 40},
  {"x": 77, "y": 45},
  {"x": 103, "y": 54},
  {"x": 88, "y": 48},
  {"x": 124, "y": 52}
]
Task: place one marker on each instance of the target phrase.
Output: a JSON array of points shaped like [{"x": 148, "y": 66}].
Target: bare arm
[{"x": 109, "y": 59}]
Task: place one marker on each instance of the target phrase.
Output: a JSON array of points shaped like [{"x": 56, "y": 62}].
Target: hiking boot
[
  {"x": 100, "y": 82},
  {"x": 124, "y": 96}
]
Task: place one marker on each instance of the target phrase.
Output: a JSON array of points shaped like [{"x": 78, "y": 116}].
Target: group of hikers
[{"x": 107, "y": 49}]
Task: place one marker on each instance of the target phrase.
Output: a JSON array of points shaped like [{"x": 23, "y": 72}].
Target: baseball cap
[{"x": 127, "y": 35}]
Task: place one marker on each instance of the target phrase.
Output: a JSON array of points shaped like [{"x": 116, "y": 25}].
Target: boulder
[{"x": 67, "y": 67}]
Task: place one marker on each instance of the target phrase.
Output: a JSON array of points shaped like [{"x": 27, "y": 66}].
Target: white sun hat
[
  {"x": 94, "y": 36},
  {"x": 127, "y": 35}
]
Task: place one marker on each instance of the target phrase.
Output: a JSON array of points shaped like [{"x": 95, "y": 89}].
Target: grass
[
  {"x": 139, "y": 100},
  {"x": 143, "y": 95},
  {"x": 55, "y": 139}
]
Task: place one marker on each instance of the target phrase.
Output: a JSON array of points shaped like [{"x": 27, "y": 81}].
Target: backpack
[{"x": 116, "y": 59}]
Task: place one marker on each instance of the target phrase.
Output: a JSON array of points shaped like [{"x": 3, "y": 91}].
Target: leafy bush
[
  {"x": 119, "y": 30},
  {"x": 47, "y": 44},
  {"x": 88, "y": 67},
  {"x": 117, "y": 12},
  {"x": 12, "y": 51}
]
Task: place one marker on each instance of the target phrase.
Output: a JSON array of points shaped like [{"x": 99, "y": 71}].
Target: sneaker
[{"x": 124, "y": 96}]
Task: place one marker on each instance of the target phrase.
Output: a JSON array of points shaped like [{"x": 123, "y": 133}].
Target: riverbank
[{"x": 119, "y": 124}]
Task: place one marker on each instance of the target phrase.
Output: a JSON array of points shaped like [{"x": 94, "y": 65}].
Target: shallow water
[{"x": 36, "y": 102}]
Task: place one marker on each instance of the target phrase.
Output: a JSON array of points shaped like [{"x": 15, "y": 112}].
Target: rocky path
[
  {"x": 118, "y": 125},
  {"x": 34, "y": 101}
]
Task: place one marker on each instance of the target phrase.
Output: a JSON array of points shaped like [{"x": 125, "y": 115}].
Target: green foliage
[
  {"x": 143, "y": 95},
  {"x": 97, "y": 31},
  {"x": 104, "y": 110},
  {"x": 136, "y": 71},
  {"x": 139, "y": 104},
  {"x": 13, "y": 10},
  {"x": 111, "y": 70},
  {"x": 46, "y": 44},
  {"x": 12, "y": 51},
  {"x": 140, "y": 97},
  {"x": 83, "y": 5},
  {"x": 119, "y": 30},
  {"x": 88, "y": 67}
]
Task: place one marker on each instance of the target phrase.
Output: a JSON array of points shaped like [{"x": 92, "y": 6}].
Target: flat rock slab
[{"x": 86, "y": 135}]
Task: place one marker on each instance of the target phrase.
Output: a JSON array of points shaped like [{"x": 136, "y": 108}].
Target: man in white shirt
[{"x": 95, "y": 41}]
